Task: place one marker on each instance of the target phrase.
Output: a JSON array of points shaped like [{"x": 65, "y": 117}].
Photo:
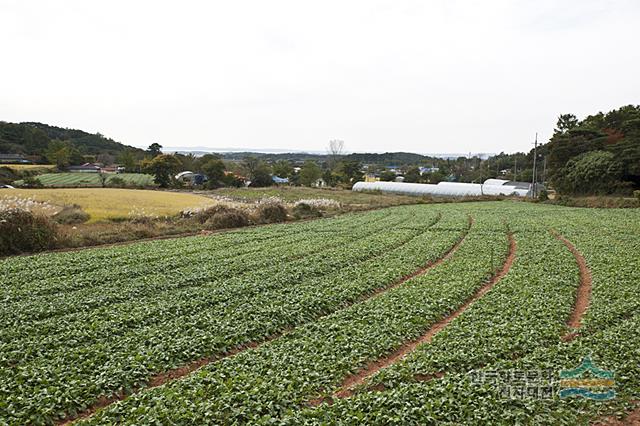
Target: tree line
[
  {"x": 599, "y": 154},
  {"x": 251, "y": 170}
]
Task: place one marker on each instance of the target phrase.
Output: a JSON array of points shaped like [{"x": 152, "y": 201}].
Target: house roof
[{"x": 85, "y": 166}]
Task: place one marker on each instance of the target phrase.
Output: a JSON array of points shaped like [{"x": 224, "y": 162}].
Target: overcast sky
[{"x": 421, "y": 76}]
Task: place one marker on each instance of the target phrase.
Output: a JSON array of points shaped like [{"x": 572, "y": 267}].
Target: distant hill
[
  {"x": 32, "y": 139},
  {"x": 389, "y": 158},
  {"x": 385, "y": 159},
  {"x": 296, "y": 157}
]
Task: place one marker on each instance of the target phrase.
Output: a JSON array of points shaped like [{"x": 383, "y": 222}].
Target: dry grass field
[
  {"x": 21, "y": 167},
  {"x": 112, "y": 203}
]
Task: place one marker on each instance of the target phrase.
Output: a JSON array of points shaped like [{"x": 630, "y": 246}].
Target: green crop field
[
  {"x": 74, "y": 180},
  {"x": 466, "y": 313}
]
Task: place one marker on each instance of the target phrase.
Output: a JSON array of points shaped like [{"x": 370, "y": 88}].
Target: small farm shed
[{"x": 85, "y": 168}]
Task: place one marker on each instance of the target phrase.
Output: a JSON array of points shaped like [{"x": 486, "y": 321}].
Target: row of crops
[
  {"x": 279, "y": 316},
  {"x": 91, "y": 179},
  {"x": 516, "y": 328}
]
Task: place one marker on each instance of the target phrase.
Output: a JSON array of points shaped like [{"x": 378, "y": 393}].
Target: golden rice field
[
  {"x": 110, "y": 203},
  {"x": 20, "y": 167}
]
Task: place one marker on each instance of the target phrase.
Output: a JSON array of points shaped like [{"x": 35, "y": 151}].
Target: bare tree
[
  {"x": 335, "y": 151},
  {"x": 106, "y": 159}
]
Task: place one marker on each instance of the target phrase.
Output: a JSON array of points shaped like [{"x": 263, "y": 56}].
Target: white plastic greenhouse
[{"x": 450, "y": 189}]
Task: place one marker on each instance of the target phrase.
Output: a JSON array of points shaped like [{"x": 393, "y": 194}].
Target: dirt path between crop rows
[
  {"x": 583, "y": 294},
  {"x": 631, "y": 418},
  {"x": 348, "y": 385},
  {"x": 177, "y": 373},
  {"x": 165, "y": 377}
]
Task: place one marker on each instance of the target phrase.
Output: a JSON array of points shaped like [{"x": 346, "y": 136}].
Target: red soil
[
  {"x": 187, "y": 369},
  {"x": 632, "y": 418},
  {"x": 161, "y": 379},
  {"x": 346, "y": 389},
  {"x": 583, "y": 294}
]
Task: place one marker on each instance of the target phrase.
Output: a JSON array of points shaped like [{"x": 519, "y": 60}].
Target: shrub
[
  {"x": 22, "y": 231},
  {"x": 304, "y": 211},
  {"x": 637, "y": 195},
  {"x": 227, "y": 217},
  {"x": 31, "y": 182},
  {"x": 71, "y": 215},
  {"x": 272, "y": 212},
  {"x": 205, "y": 214},
  {"x": 7, "y": 175},
  {"x": 543, "y": 195},
  {"x": 593, "y": 172},
  {"x": 116, "y": 182}
]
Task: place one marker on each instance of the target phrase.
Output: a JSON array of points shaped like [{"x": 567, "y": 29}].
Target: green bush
[
  {"x": 116, "y": 182},
  {"x": 271, "y": 213},
  {"x": 7, "y": 175},
  {"x": 591, "y": 173},
  {"x": 23, "y": 231},
  {"x": 543, "y": 195},
  {"x": 71, "y": 215},
  {"x": 31, "y": 182}
]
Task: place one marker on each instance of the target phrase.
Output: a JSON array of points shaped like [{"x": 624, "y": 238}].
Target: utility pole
[{"x": 535, "y": 156}]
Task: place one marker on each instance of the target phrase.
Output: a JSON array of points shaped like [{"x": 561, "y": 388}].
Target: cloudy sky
[{"x": 423, "y": 76}]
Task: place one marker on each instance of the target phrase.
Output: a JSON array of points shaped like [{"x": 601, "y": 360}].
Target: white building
[{"x": 450, "y": 189}]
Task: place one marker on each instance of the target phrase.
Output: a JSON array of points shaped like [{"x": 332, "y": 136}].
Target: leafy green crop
[
  {"x": 313, "y": 359},
  {"x": 86, "y": 343},
  {"x": 89, "y": 324}
]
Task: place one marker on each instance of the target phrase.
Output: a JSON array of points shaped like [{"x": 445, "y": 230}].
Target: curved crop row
[
  {"x": 177, "y": 306},
  {"x": 287, "y": 316},
  {"x": 32, "y": 274},
  {"x": 527, "y": 309},
  {"x": 264, "y": 383},
  {"x": 75, "y": 378},
  {"x": 204, "y": 269},
  {"x": 516, "y": 328}
]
